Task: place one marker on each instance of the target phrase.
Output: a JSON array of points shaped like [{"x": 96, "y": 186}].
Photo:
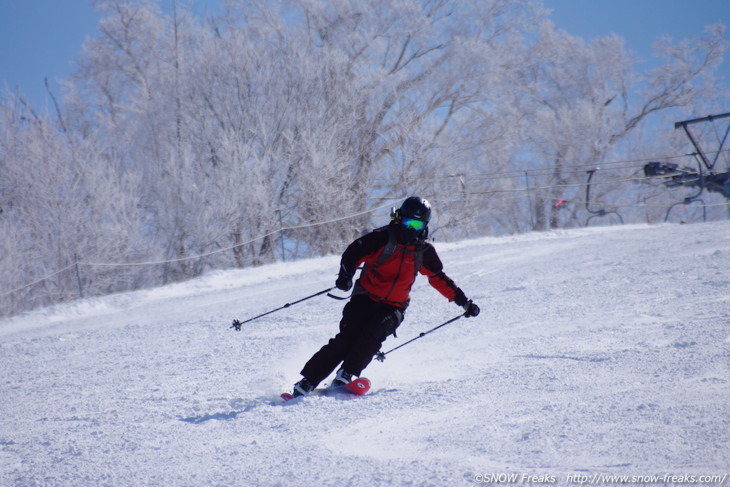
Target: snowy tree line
[{"x": 179, "y": 137}]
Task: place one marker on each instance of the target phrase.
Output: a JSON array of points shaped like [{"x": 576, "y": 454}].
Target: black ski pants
[{"x": 364, "y": 327}]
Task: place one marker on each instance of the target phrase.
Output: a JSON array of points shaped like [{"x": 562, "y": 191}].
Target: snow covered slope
[{"x": 602, "y": 351}]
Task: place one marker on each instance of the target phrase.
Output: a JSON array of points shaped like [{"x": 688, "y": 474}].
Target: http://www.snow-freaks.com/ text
[{"x": 599, "y": 479}]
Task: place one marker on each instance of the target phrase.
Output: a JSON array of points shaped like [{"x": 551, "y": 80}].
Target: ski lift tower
[{"x": 705, "y": 177}]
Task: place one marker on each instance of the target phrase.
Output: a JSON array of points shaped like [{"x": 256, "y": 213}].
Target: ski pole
[
  {"x": 381, "y": 356},
  {"x": 237, "y": 324}
]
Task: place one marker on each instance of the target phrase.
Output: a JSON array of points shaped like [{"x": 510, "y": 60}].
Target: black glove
[
  {"x": 470, "y": 309},
  {"x": 344, "y": 282}
]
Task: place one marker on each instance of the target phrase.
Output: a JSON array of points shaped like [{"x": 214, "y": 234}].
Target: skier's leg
[
  {"x": 371, "y": 337},
  {"x": 324, "y": 362},
  {"x": 327, "y": 358}
]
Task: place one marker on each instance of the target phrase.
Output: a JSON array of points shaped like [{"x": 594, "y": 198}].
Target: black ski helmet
[{"x": 417, "y": 208}]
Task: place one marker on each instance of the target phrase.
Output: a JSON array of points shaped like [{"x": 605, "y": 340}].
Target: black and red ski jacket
[{"x": 390, "y": 280}]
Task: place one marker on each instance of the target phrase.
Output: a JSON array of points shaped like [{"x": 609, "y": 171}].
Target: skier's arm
[
  {"x": 357, "y": 252},
  {"x": 437, "y": 278}
]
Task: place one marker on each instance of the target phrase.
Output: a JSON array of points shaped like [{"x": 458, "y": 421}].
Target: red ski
[{"x": 357, "y": 387}]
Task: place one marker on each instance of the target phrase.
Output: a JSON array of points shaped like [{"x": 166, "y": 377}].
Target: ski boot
[{"x": 342, "y": 378}]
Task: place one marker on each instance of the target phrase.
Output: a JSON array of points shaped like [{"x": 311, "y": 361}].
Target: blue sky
[{"x": 41, "y": 38}]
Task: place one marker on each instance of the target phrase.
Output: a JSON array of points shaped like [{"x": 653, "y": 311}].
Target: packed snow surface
[{"x": 600, "y": 351}]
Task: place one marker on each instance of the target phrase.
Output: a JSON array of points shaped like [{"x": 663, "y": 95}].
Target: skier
[{"x": 392, "y": 256}]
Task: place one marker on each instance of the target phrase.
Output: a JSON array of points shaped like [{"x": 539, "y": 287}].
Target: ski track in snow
[{"x": 598, "y": 350}]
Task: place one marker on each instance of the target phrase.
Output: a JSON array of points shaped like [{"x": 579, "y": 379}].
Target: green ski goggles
[{"x": 414, "y": 224}]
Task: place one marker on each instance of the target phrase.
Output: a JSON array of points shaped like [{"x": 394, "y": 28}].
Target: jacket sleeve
[
  {"x": 357, "y": 251},
  {"x": 434, "y": 270}
]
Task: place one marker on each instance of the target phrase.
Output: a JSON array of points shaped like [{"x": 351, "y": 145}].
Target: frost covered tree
[
  {"x": 419, "y": 95},
  {"x": 189, "y": 143},
  {"x": 63, "y": 197},
  {"x": 585, "y": 103}
]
